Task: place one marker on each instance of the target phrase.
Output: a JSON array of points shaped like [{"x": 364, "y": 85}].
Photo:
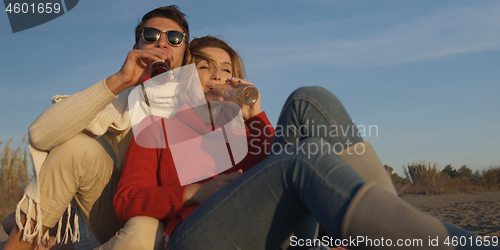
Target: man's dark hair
[{"x": 170, "y": 12}]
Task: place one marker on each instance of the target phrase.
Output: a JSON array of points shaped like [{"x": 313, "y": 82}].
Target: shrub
[
  {"x": 449, "y": 171},
  {"x": 13, "y": 176},
  {"x": 398, "y": 181},
  {"x": 428, "y": 179}
]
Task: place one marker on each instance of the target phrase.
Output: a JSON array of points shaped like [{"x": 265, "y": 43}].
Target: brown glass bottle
[
  {"x": 243, "y": 93},
  {"x": 158, "y": 67}
]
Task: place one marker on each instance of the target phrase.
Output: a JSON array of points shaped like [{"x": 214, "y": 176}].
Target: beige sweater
[{"x": 95, "y": 111}]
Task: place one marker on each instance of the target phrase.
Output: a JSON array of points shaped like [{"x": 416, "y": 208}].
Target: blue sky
[{"x": 425, "y": 73}]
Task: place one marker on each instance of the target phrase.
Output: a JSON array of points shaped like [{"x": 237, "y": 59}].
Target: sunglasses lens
[
  {"x": 150, "y": 35},
  {"x": 175, "y": 38}
]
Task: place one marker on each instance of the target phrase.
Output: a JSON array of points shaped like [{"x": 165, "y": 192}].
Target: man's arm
[{"x": 65, "y": 119}]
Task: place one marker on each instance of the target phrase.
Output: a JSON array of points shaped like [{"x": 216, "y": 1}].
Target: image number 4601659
[{"x": 26, "y": 14}]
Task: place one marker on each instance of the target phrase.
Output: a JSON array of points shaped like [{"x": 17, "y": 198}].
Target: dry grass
[
  {"x": 13, "y": 175},
  {"x": 427, "y": 178}
]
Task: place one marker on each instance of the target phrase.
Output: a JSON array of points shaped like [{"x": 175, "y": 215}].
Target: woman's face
[{"x": 220, "y": 71}]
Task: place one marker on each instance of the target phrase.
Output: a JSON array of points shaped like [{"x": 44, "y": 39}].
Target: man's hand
[
  {"x": 135, "y": 69},
  {"x": 197, "y": 193}
]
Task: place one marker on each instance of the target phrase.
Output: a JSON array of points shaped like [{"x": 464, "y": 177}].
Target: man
[{"x": 86, "y": 136}]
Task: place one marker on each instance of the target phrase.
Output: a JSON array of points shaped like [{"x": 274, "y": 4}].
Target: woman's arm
[
  {"x": 197, "y": 193},
  {"x": 259, "y": 137},
  {"x": 260, "y": 134},
  {"x": 139, "y": 191}
]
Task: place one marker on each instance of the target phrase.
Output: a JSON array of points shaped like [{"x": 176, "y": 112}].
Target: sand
[{"x": 476, "y": 212}]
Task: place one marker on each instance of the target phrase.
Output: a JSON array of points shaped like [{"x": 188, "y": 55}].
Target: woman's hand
[
  {"x": 248, "y": 111},
  {"x": 198, "y": 192},
  {"x": 135, "y": 69}
]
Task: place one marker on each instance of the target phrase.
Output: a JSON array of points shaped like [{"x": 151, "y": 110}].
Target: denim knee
[
  {"x": 316, "y": 92},
  {"x": 314, "y": 151}
]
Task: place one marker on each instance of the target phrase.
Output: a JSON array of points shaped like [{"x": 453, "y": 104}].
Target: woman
[
  {"x": 147, "y": 184},
  {"x": 314, "y": 167}
]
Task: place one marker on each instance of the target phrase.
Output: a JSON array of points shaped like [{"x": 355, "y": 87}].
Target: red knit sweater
[{"x": 149, "y": 184}]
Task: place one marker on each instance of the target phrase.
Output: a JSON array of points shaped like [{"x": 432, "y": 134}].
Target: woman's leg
[
  {"x": 261, "y": 208},
  {"x": 315, "y": 112}
]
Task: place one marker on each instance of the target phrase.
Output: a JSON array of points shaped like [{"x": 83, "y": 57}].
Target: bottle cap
[{"x": 157, "y": 61}]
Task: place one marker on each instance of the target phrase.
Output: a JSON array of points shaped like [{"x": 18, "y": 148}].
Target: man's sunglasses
[{"x": 151, "y": 35}]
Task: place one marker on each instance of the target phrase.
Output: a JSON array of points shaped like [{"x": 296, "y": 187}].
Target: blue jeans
[{"x": 302, "y": 176}]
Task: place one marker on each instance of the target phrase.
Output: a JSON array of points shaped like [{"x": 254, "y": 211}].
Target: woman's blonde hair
[{"x": 194, "y": 48}]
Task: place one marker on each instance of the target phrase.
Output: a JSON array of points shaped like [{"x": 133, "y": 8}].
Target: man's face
[{"x": 177, "y": 52}]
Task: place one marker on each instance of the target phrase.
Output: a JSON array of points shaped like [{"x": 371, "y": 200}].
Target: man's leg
[
  {"x": 80, "y": 168},
  {"x": 83, "y": 168}
]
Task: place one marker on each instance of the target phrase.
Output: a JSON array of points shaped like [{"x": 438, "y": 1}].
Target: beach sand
[{"x": 476, "y": 212}]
